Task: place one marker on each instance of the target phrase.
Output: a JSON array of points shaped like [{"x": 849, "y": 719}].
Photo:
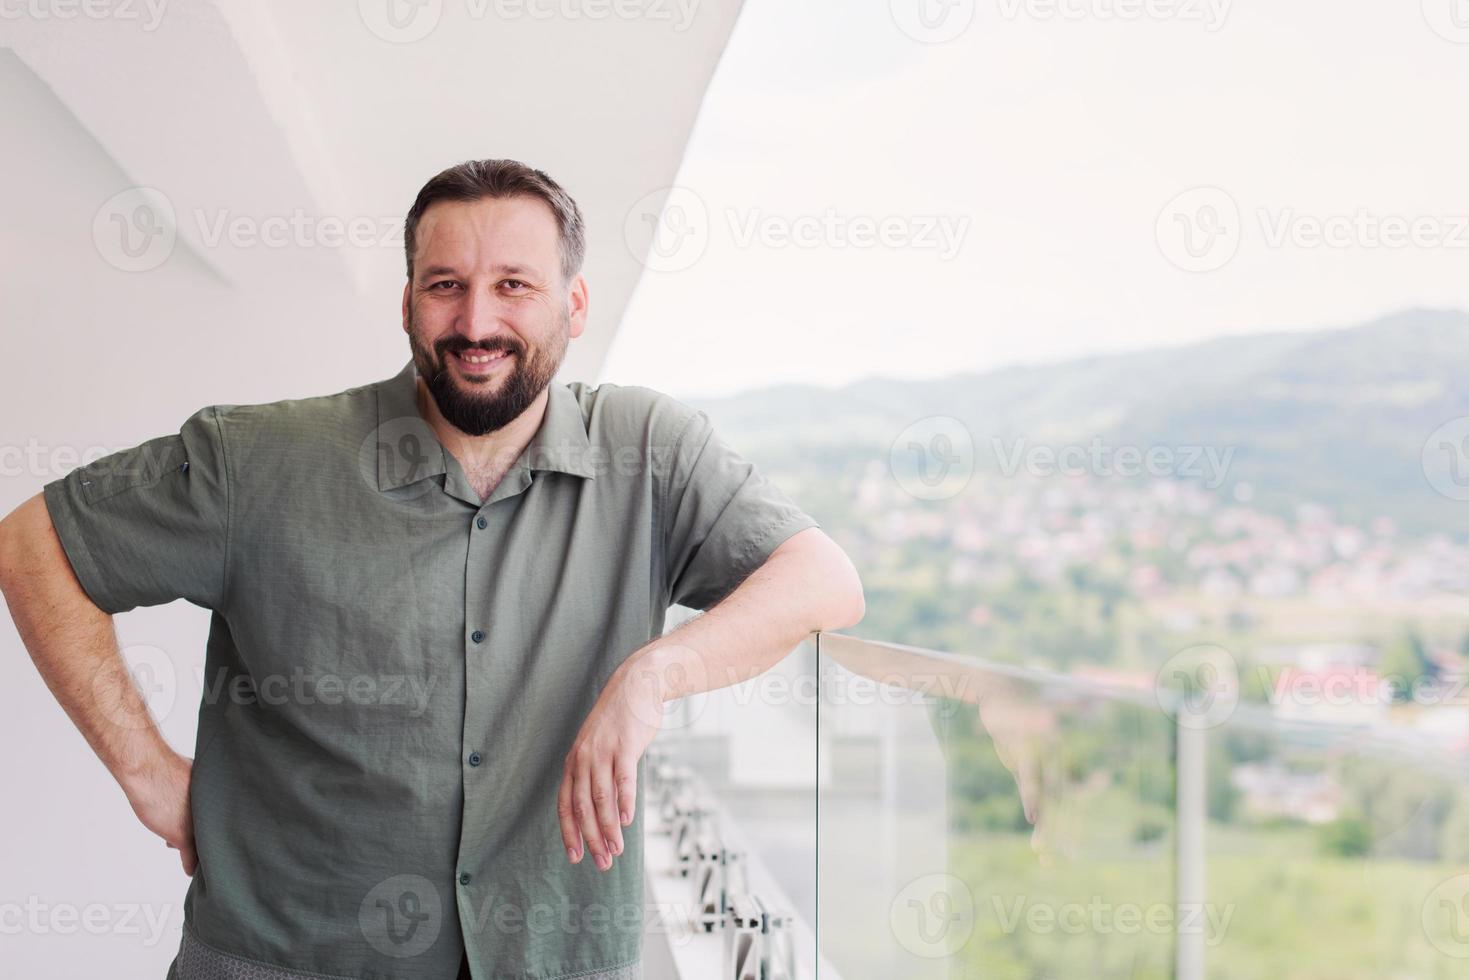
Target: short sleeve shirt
[{"x": 396, "y": 668}]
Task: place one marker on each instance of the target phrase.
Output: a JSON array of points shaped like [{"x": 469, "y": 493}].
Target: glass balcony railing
[{"x": 868, "y": 810}]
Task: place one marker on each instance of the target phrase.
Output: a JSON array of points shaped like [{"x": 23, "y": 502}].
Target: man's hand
[
  {"x": 599, "y": 781},
  {"x": 160, "y": 798}
]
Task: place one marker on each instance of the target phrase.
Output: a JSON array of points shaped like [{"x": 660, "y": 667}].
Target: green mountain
[{"x": 1336, "y": 417}]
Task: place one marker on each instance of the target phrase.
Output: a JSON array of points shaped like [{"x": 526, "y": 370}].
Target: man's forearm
[
  {"x": 74, "y": 646},
  {"x": 807, "y": 584}
]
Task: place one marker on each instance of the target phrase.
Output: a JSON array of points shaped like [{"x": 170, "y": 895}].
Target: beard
[{"x": 478, "y": 407}]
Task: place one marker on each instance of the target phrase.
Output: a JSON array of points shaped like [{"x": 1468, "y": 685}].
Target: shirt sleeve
[
  {"x": 149, "y": 524},
  {"x": 723, "y": 517}
]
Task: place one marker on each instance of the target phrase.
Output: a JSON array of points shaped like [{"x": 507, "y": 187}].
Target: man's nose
[{"x": 481, "y": 316}]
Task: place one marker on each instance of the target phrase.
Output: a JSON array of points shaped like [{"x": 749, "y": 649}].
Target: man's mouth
[{"x": 479, "y": 361}]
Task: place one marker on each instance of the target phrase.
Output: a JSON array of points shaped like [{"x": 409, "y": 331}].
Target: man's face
[{"x": 487, "y": 314}]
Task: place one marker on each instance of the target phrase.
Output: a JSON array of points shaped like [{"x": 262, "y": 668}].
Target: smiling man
[{"x": 436, "y": 653}]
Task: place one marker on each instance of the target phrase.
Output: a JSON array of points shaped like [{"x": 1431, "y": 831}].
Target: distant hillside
[{"x": 1338, "y": 417}]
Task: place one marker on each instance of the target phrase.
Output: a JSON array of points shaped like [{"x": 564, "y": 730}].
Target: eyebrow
[{"x": 500, "y": 269}]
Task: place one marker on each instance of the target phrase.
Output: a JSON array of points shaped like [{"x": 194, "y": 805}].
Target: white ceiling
[{"x": 342, "y": 110}]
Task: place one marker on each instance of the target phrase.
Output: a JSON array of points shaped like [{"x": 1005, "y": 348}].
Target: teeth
[{"x": 481, "y": 358}]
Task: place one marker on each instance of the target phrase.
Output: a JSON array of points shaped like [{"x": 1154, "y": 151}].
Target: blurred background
[{"x": 1121, "y": 343}]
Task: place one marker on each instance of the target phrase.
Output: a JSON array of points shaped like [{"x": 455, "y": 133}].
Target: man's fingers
[
  {"x": 585, "y": 814},
  {"x": 570, "y": 836},
  {"x": 604, "y": 798},
  {"x": 625, "y": 775}
]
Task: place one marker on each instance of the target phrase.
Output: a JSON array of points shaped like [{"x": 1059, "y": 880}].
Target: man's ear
[
  {"x": 577, "y": 303},
  {"x": 407, "y": 292}
]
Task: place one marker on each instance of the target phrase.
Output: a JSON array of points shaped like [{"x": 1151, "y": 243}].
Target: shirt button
[
  {"x": 464, "y": 878},
  {"x": 474, "y": 758},
  {"x": 481, "y": 523},
  {"x": 478, "y": 636}
]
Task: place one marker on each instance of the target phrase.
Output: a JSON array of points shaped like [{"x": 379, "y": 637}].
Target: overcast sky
[{"x": 1058, "y": 178}]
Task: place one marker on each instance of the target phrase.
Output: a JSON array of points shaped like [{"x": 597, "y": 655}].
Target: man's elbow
[
  {"x": 828, "y": 577},
  {"x": 856, "y": 609},
  {"x": 849, "y": 604}
]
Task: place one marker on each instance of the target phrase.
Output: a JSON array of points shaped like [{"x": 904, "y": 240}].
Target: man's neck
[{"x": 485, "y": 459}]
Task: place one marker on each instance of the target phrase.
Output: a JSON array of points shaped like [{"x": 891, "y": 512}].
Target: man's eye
[
  {"x": 515, "y": 281},
  {"x": 443, "y": 282}
]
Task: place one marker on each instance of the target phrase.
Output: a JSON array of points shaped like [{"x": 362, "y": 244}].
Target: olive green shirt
[{"x": 396, "y": 669}]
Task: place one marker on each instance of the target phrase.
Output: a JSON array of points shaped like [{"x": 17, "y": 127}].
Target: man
[{"x": 436, "y": 653}]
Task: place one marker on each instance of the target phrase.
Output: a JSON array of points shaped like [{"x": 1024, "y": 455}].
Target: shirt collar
[{"x": 559, "y": 445}]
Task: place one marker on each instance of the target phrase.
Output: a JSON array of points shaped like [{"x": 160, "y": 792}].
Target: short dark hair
[{"x": 476, "y": 179}]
